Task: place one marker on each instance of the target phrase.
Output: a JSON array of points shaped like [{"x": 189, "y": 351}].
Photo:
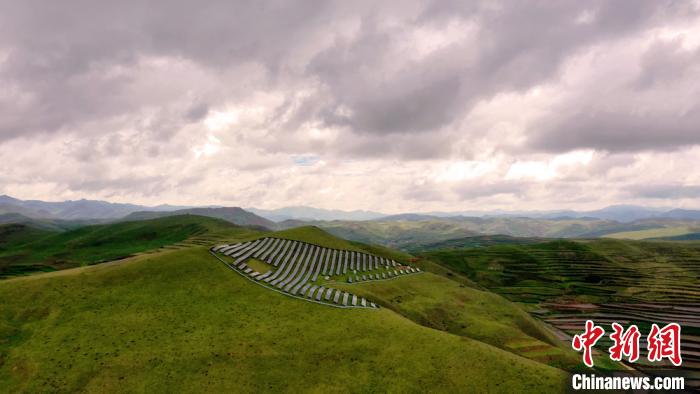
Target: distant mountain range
[
  {"x": 73, "y": 210},
  {"x": 69, "y": 214},
  {"x": 619, "y": 213},
  {"x": 96, "y": 210},
  {"x": 309, "y": 214}
]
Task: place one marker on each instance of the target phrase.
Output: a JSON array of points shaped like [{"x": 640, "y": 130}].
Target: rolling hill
[
  {"x": 406, "y": 233},
  {"x": 233, "y": 215},
  {"x": 177, "y": 319},
  {"x": 26, "y": 249},
  {"x": 566, "y": 282},
  {"x": 659, "y": 232},
  {"x": 409, "y": 231},
  {"x": 311, "y": 213}
]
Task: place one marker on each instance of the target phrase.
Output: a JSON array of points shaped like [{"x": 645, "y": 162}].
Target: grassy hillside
[
  {"x": 34, "y": 250},
  {"x": 604, "y": 270},
  {"x": 12, "y": 235},
  {"x": 233, "y": 215},
  {"x": 471, "y": 242},
  {"x": 685, "y": 237},
  {"x": 566, "y": 282},
  {"x": 317, "y": 236},
  {"x": 661, "y": 232},
  {"x": 178, "y": 320},
  {"x": 446, "y": 305},
  {"x": 409, "y": 234}
]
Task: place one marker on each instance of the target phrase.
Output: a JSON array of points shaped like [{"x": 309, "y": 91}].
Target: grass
[
  {"x": 472, "y": 242},
  {"x": 661, "y": 232},
  {"x": 315, "y": 235},
  {"x": 178, "y": 320},
  {"x": 19, "y": 234},
  {"x": 440, "y": 303},
  {"x": 565, "y": 282},
  {"x": 258, "y": 265},
  {"x": 605, "y": 270},
  {"x": 26, "y": 250}
]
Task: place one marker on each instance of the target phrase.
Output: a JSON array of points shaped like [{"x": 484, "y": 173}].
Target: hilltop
[
  {"x": 233, "y": 215},
  {"x": 25, "y": 249},
  {"x": 179, "y": 320}
]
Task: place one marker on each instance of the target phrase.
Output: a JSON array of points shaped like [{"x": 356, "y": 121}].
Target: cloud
[
  {"x": 667, "y": 191},
  {"x": 212, "y": 103}
]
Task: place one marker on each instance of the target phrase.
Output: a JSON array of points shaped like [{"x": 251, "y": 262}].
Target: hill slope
[
  {"x": 233, "y": 215},
  {"x": 180, "y": 321},
  {"x": 45, "y": 251},
  {"x": 566, "y": 282}
]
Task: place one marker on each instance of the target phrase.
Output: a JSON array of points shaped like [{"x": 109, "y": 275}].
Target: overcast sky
[{"x": 387, "y": 106}]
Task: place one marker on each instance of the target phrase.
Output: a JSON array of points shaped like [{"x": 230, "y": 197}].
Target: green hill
[
  {"x": 695, "y": 236},
  {"x": 471, "y": 242},
  {"x": 233, "y": 215},
  {"x": 604, "y": 270},
  {"x": 566, "y": 282},
  {"x": 408, "y": 234},
  {"x": 15, "y": 234},
  {"x": 27, "y": 250},
  {"x": 659, "y": 232},
  {"x": 179, "y": 320}
]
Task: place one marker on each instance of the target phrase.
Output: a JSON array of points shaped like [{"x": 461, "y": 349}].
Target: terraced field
[
  {"x": 307, "y": 271},
  {"x": 567, "y": 282}
]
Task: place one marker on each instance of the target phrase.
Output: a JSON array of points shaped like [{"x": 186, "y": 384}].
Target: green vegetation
[
  {"x": 604, "y": 270},
  {"x": 173, "y": 318},
  {"x": 259, "y": 266},
  {"x": 178, "y": 320},
  {"x": 565, "y": 282},
  {"x": 472, "y": 242},
  {"x": 661, "y": 232},
  {"x": 19, "y": 234},
  {"x": 25, "y": 250},
  {"x": 445, "y": 305},
  {"x": 427, "y": 233},
  {"x": 684, "y": 237},
  {"x": 233, "y": 215},
  {"x": 315, "y": 235}
]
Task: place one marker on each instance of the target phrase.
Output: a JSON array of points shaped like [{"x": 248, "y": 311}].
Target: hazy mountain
[
  {"x": 619, "y": 213},
  {"x": 310, "y": 213},
  {"x": 410, "y": 217},
  {"x": 682, "y": 214},
  {"x": 406, "y": 231},
  {"x": 77, "y": 209},
  {"x": 46, "y": 224},
  {"x": 103, "y": 210},
  {"x": 233, "y": 215}
]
